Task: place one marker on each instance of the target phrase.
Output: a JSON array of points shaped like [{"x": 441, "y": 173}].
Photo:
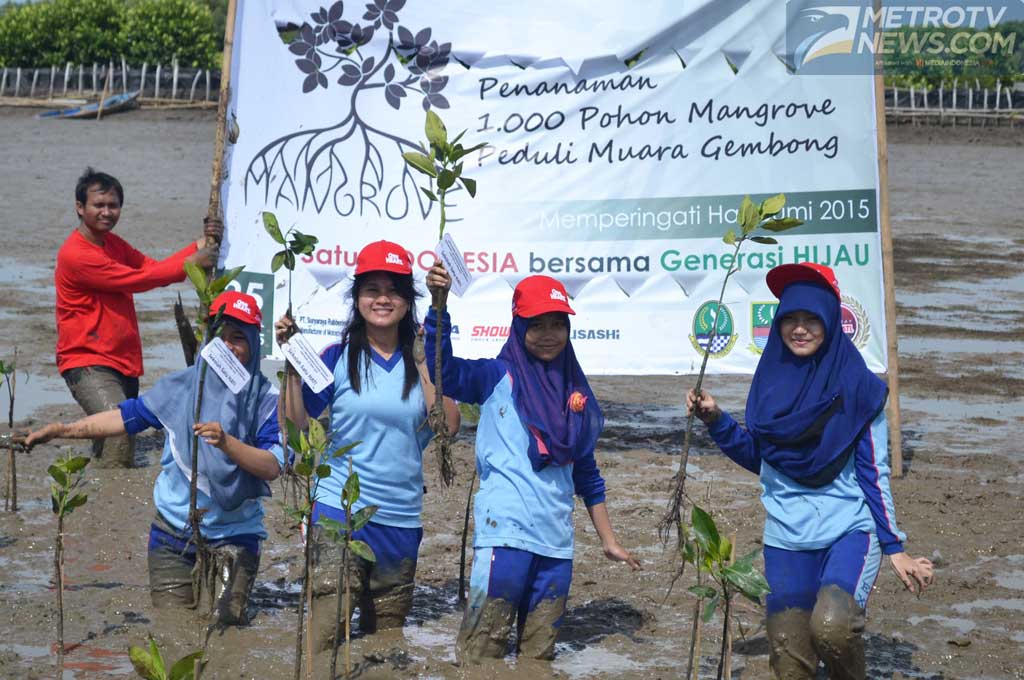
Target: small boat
[{"x": 112, "y": 104}]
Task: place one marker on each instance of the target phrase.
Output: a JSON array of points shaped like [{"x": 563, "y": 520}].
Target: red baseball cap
[
  {"x": 785, "y": 274},
  {"x": 384, "y": 256},
  {"x": 238, "y": 306},
  {"x": 536, "y": 295}
]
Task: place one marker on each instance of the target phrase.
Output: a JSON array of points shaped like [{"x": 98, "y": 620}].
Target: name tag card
[
  {"x": 226, "y": 365},
  {"x": 453, "y": 261},
  {"x": 307, "y": 362}
]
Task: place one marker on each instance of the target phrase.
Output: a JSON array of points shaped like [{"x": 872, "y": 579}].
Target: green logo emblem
[
  {"x": 713, "y": 328},
  {"x": 761, "y": 316}
]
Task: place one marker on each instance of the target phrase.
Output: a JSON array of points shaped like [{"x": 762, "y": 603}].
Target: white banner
[{"x": 617, "y": 173}]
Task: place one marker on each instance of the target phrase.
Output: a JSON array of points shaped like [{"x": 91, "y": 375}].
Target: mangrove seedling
[
  {"x": 149, "y": 664},
  {"x": 712, "y": 555},
  {"x": 310, "y": 467},
  {"x": 206, "y": 290},
  {"x": 295, "y": 243},
  {"x": 470, "y": 414},
  {"x": 67, "y": 475},
  {"x": 10, "y": 378},
  {"x": 341, "y": 533},
  {"x": 750, "y": 218},
  {"x": 441, "y": 161}
]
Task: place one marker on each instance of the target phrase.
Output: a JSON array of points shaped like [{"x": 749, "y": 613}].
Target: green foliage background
[{"x": 54, "y": 32}]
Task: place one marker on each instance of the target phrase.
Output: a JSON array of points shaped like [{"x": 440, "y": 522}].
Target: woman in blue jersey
[
  {"x": 379, "y": 398},
  {"x": 239, "y": 453},
  {"x": 816, "y": 434},
  {"x": 539, "y": 423}
]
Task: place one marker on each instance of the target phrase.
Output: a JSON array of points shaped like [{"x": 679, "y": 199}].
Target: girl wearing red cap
[
  {"x": 239, "y": 453},
  {"x": 816, "y": 434},
  {"x": 379, "y": 398},
  {"x": 539, "y": 423}
]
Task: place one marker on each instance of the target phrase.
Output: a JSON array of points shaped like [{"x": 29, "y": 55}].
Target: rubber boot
[
  {"x": 791, "y": 652},
  {"x": 837, "y": 624}
]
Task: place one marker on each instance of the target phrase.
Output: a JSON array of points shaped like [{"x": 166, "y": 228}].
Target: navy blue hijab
[
  {"x": 808, "y": 413},
  {"x": 541, "y": 391}
]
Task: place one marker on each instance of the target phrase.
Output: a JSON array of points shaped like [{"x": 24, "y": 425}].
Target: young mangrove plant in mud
[
  {"x": 202, "y": 578},
  {"x": 749, "y": 219},
  {"x": 295, "y": 243},
  {"x": 310, "y": 467},
  {"x": 470, "y": 414},
  {"x": 10, "y": 378},
  {"x": 67, "y": 475},
  {"x": 341, "y": 533},
  {"x": 149, "y": 664},
  {"x": 440, "y": 161},
  {"x": 712, "y": 555}
]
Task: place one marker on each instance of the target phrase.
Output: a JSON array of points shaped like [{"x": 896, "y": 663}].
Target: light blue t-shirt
[
  {"x": 517, "y": 506},
  {"x": 393, "y": 433},
  {"x": 172, "y": 491},
  {"x": 800, "y": 517}
]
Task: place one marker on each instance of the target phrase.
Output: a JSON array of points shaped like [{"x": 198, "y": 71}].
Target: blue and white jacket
[
  {"x": 516, "y": 506},
  {"x": 806, "y": 518}
]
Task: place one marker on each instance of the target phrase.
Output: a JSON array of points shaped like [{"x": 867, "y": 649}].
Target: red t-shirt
[{"x": 96, "y": 322}]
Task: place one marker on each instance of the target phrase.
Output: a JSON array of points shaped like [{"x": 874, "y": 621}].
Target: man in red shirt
[{"x": 99, "y": 351}]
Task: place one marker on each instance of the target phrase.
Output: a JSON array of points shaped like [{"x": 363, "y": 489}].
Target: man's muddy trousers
[{"x": 98, "y": 389}]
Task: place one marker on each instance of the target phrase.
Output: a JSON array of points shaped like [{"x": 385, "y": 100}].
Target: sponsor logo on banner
[
  {"x": 712, "y": 320},
  {"x": 490, "y": 333},
  {"x": 855, "y": 322},
  {"x": 594, "y": 334},
  {"x": 761, "y": 316}
]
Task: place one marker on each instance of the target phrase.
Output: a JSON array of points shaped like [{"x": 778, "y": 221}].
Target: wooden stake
[
  {"x": 889, "y": 285},
  {"x": 103, "y": 96},
  {"x": 214, "y": 207}
]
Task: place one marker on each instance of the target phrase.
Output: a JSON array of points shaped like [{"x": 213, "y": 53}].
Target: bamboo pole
[
  {"x": 67, "y": 75},
  {"x": 889, "y": 285},
  {"x": 214, "y": 207},
  {"x": 174, "y": 79},
  {"x": 3, "y": 83},
  {"x": 53, "y": 79},
  {"x": 35, "y": 79},
  {"x": 142, "y": 81},
  {"x": 195, "y": 81},
  {"x": 156, "y": 86}
]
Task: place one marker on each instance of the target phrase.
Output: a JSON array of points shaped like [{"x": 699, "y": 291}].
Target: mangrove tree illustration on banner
[{"x": 314, "y": 169}]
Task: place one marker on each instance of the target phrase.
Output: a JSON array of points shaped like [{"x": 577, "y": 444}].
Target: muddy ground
[{"x": 959, "y": 243}]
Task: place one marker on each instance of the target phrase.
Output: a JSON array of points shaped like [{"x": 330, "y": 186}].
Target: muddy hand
[
  {"x": 915, "y": 573},
  {"x": 14, "y": 440},
  {"x": 213, "y": 228},
  {"x": 706, "y": 408},
  {"x": 284, "y": 328},
  {"x": 617, "y": 553},
  {"x": 51, "y": 431}
]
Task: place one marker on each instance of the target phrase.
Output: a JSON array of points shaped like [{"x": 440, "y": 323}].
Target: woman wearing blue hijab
[
  {"x": 239, "y": 452},
  {"x": 539, "y": 424},
  {"x": 816, "y": 435}
]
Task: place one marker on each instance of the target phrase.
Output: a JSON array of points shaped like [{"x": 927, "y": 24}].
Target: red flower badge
[{"x": 577, "y": 402}]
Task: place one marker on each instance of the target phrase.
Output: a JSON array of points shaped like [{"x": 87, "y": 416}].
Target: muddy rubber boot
[
  {"x": 791, "y": 652},
  {"x": 327, "y": 558},
  {"x": 836, "y": 627},
  {"x": 485, "y": 629},
  {"x": 538, "y": 632}
]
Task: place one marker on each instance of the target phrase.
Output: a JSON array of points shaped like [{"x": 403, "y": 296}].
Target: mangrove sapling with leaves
[
  {"x": 712, "y": 555},
  {"x": 750, "y": 218},
  {"x": 10, "y": 378},
  {"x": 441, "y": 161},
  {"x": 341, "y": 533},
  {"x": 295, "y": 243},
  {"x": 149, "y": 664},
  {"x": 67, "y": 475},
  {"x": 310, "y": 467},
  {"x": 206, "y": 290}
]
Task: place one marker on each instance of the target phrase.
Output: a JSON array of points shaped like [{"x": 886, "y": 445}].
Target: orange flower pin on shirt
[{"x": 577, "y": 402}]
